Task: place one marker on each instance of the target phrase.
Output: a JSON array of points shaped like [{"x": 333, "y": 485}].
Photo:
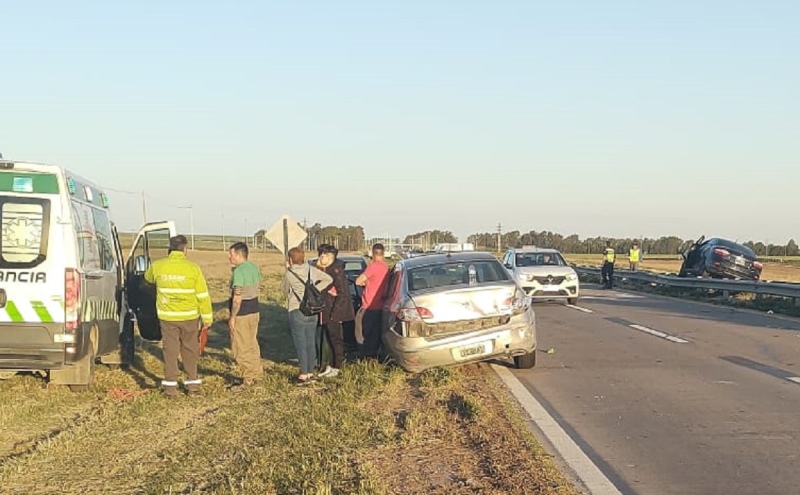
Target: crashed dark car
[{"x": 720, "y": 258}]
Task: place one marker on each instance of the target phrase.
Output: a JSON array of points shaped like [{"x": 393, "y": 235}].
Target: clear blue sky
[{"x": 613, "y": 118}]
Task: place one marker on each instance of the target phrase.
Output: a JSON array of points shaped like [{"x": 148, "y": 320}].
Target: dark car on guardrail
[{"x": 720, "y": 258}]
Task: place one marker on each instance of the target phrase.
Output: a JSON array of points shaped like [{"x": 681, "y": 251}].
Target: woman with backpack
[
  {"x": 338, "y": 307},
  {"x": 303, "y": 311}
]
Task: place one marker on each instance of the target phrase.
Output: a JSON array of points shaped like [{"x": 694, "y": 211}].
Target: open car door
[{"x": 151, "y": 243}]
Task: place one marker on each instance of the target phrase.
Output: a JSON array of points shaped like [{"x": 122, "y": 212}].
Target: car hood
[{"x": 543, "y": 271}]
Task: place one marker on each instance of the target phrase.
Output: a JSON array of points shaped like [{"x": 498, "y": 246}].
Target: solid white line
[
  {"x": 590, "y": 475},
  {"x": 662, "y": 335},
  {"x": 795, "y": 379},
  {"x": 585, "y": 310}
]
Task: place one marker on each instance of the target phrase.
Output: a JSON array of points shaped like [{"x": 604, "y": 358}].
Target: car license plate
[
  {"x": 471, "y": 351},
  {"x": 741, "y": 261},
  {"x": 550, "y": 288}
]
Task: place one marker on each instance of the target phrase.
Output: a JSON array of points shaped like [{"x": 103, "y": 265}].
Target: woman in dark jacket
[{"x": 338, "y": 306}]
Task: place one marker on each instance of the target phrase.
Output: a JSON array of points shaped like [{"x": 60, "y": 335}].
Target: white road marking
[
  {"x": 795, "y": 379},
  {"x": 590, "y": 475},
  {"x": 585, "y": 310},
  {"x": 662, "y": 335}
]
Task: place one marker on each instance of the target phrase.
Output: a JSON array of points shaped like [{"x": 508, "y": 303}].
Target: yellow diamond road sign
[{"x": 294, "y": 234}]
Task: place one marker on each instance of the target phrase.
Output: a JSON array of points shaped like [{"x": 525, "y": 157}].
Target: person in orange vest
[
  {"x": 607, "y": 272},
  {"x": 634, "y": 256}
]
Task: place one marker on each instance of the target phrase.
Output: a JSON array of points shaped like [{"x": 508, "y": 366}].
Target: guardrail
[{"x": 777, "y": 289}]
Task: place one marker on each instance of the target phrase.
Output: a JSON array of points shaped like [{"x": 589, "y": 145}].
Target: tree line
[
  {"x": 573, "y": 244},
  {"x": 353, "y": 238}
]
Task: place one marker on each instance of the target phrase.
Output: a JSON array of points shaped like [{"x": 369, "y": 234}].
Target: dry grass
[
  {"x": 785, "y": 272},
  {"x": 373, "y": 429}
]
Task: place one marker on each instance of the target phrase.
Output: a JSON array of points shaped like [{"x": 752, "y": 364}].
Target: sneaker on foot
[
  {"x": 327, "y": 371},
  {"x": 334, "y": 372}
]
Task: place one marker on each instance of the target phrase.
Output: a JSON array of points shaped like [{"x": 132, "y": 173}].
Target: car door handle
[{"x": 94, "y": 275}]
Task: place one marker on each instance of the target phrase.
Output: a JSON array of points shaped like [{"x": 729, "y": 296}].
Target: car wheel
[
  {"x": 572, "y": 301},
  {"x": 526, "y": 361}
]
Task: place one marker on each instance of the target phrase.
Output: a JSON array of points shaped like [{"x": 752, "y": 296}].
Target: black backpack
[{"x": 313, "y": 301}]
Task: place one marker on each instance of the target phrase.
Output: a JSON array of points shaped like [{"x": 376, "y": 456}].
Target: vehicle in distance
[
  {"x": 720, "y": 258},
  {"x": 543, "y": 273}
]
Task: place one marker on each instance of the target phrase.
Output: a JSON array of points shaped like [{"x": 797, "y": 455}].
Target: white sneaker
[
  {"x": 334, "y": 372},
  {"x": 328, "y": 371}
]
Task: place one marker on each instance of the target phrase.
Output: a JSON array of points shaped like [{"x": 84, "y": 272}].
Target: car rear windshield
[
  {"x": 540, "y": 259},
  {"x": 732, "y": 246},
  {"x": 24, "y": 223},
  {"x": 454, "y": 274}
]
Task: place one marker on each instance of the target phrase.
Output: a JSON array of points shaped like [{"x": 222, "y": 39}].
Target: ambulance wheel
[{"x": 84, "y": 368}]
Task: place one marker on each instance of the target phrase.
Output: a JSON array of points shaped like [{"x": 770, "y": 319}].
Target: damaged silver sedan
[{"x": 456, "y": 308}]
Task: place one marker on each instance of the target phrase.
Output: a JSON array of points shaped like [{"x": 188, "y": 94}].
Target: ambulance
[{"x": 68, "y": 300}]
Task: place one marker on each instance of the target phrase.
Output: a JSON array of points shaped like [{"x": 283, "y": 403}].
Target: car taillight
[
  {"x": 518, "y": 303},
  {"x": 414, "y": 314},
  {"x": 72, "y": 297},
  {"x": 722, "y": 252},
  {"x": 757, "y": 265}
]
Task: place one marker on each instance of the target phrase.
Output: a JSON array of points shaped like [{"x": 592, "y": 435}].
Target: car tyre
[
  {"x": 573, "y": 301},
  {"x": 526, "y": 361}
]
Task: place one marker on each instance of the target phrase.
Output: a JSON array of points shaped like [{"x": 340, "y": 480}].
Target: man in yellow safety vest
[
  {"x": 183, "y": 305},
  {"x": 634, "y": 256},
  {"x": 607, "y": 272}
]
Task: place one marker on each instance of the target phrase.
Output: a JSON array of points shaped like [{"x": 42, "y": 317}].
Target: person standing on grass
[
  {"x": 302, "y": 327},
  {"x": 338, "y": 307},
  {"x": 245, "y": 314},
  {"x": 368, "y": 322},
  {"x": 182, "y": 302},
  {"x": 634, "y": 256}
]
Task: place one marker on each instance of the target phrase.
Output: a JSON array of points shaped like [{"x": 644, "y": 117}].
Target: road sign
[{"x": 285, "y": 234}]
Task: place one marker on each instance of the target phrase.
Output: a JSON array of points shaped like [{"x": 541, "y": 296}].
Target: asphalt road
[{"x": 691, "y": 399}]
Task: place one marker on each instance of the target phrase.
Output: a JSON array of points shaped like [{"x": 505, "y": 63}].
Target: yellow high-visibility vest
[
  {"x": 181, "y": 290},
  {"x": 634, "y": 256},
  {"x": 609, "y": 255}
]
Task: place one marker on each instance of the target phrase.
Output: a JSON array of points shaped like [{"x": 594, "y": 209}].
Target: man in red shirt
[{"x": 368, "y": 320}]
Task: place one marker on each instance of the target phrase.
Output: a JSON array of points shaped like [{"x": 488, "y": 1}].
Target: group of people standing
[
  {"x": 183, "y": 306},
  {"x": 327, "y": 274},
  {"x": 610, "y": 257}
]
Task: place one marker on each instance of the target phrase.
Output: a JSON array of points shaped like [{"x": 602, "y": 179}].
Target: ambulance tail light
[{"x": 72, "y": 297}]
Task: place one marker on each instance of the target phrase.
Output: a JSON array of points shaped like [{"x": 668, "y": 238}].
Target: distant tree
[{"x": 792, "y": 249}]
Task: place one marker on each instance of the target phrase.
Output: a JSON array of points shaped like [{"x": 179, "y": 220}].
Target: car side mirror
[
  {"x": 140, "y": 265},
  {"x": 508, "y": 265}
]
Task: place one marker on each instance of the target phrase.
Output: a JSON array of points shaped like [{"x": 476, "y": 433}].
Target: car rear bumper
[
  {"x": 30, "y": 346},
  {"x": 732, "y": 270},
  {"x": 416, "y": 354}
]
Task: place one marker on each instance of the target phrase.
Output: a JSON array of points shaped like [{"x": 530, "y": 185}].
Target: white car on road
[{"x": 543, "y": 273}]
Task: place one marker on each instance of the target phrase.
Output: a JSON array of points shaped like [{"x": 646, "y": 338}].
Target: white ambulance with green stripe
[{"x": 64, "y": 302}]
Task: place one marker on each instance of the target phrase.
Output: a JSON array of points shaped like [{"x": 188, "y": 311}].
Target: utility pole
[
  {"x": 223, "y": 230},
  {"x": 144, "y": 210},
  {"x": 499, "y": 235}
]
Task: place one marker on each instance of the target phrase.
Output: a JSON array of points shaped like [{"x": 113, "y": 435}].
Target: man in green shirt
[{"x": 244, "y": 319}]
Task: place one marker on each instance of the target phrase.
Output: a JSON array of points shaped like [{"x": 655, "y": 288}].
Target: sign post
[{"x": 285, "y": 234}]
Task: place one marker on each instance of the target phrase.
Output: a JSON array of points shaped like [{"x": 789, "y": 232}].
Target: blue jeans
[{"x": 304, "y": 329}]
